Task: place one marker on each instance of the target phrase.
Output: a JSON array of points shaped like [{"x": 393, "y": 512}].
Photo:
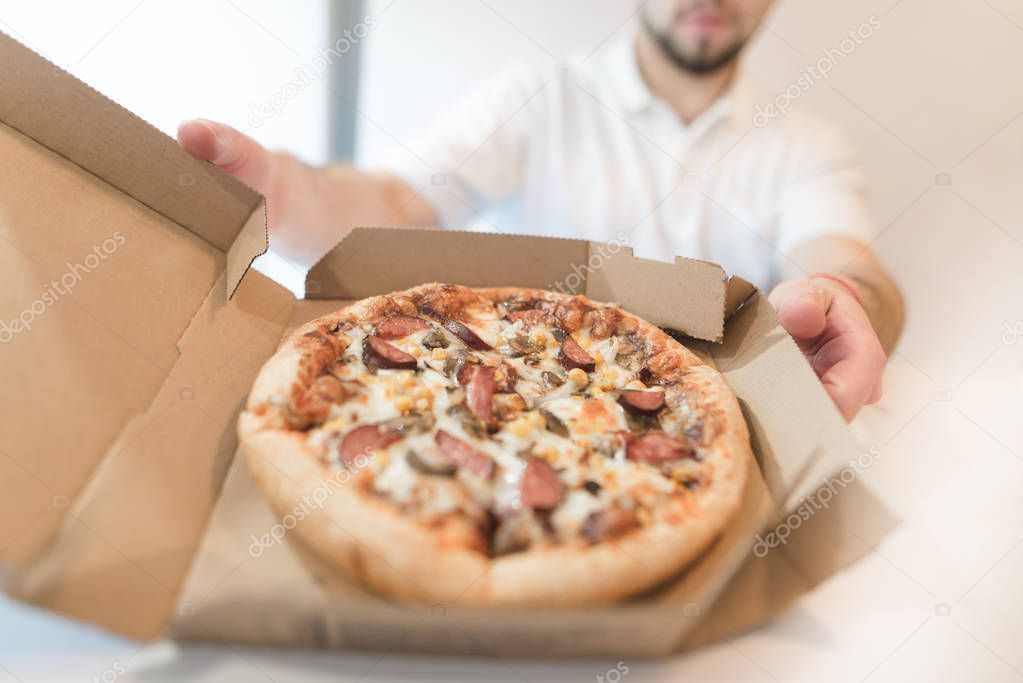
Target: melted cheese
[{"x": 593, "y": 449}]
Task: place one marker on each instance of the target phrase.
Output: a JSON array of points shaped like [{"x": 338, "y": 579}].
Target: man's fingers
[
  {"x": 197, "y": 137},
  {"x": 851, "y": 364},
  {"x": 846, "y": 373},
  {"x": 235, "y": 153},
  {"x": 801, "y": 310}
]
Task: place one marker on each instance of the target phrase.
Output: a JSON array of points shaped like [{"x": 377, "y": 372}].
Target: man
[{"x": 653, "y": 143}]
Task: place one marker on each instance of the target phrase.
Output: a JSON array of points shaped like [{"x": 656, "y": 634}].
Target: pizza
[{"x": 502, "y": 446}]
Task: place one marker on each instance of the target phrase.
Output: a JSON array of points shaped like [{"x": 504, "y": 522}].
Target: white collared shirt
[{"x": 589, "y": 152}]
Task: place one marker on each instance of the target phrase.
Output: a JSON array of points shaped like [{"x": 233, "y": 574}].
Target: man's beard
[{"x": 699, "y": 65}]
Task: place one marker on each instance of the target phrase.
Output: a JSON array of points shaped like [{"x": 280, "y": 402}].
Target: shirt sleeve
[
  {"x": 826, "y": 194},
  {"x": 473, "y": 154}
]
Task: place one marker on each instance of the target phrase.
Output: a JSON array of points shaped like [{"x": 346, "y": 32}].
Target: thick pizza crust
[{"x": 369, "y": 538}]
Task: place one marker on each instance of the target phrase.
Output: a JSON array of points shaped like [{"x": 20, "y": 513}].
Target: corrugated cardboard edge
[
  {"x": 75, "y": 121},
  {"x": 251, "y": 243},
  {"x": 370, "y": 261},
  {"x": 737, "y": 292}
]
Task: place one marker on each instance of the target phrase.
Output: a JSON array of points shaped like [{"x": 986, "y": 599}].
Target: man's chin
[
  {"x": 702, "y": 64},
  {"x": 701, "y": 57}
]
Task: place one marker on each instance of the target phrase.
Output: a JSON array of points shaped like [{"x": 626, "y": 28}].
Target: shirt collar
[
  {"x": 624, "y": 73},
  {"x": 734, "y": 104}
]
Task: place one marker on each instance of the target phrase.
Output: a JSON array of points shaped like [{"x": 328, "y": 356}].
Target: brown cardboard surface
[
  {"x": 133, "y": 529},
  {"x": 97, "y": 354},
  {"x": 775, "y": 384},
  {"x": 375, "y": 260}
]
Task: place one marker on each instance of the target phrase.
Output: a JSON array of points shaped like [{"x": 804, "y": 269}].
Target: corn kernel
[
  {"x": 611, "y": 374},
  {"x": 499, "y": 340},
  {"x": 551, "y": 341},
  {"x": 539, "y": 339},
  {"x": 520, "y": 427},
  {"x": 336, "y": 423},
  {"x": 416, "y": 352},
  {"x": 578, "y": 376},
  {"x": 596, "y": 391},
  {"x": 598, "y": 358},
  {"x": 644, "y": 517},
  {"x": 538, "y": 419},
  {"x": 439, "y": 354},
  {"x": 635, "y": 384},
  {"x": 406, "y": 378},
  {"x": 403, "y": 403}
]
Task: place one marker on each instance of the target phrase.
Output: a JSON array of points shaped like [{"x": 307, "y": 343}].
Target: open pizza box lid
[{"x": 131, "y": 329}]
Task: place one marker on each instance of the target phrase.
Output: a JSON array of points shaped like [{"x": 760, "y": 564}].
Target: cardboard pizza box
[{"x": 131, "y": 328}]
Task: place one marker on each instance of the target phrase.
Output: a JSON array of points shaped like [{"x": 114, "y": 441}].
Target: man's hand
[
  {"x": 233, "y": 152},
  {"x": 835, "y": 333},
  {"x": 309, "y": 209}
]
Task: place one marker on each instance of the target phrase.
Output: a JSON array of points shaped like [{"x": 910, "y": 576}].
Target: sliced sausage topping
[
  {"x": 464, "y": 455},
  {"x": 379, "y": 353},
  {"x": 574, "y": 356},
  {"x": 541, "y": 487},
  {"x": 479, "y": 393},
  {"x": 463, "y": 371},
  {"x": 466, "y": 335},
  {"x": 529, "y": 318},
  {"x": 364, "y": 441},
  {"x": 607, "y": 524},
  {"x": 641, "y": 402},
  {"x": 398, "y": 326},
  {"x": 656, "y": 448}
]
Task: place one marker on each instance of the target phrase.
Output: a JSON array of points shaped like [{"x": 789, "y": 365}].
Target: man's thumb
[
  {"x": 803, "y": 314},
  {"x": 235, "y": 153}
]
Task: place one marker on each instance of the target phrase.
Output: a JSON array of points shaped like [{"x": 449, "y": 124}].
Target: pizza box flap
[
  {"x": 134, "y": 527},
  {"x": 111, "y": 242},
  {"x": 372, "y": 261},
  {"x": 794, "y": 425},
  {"x": 61, "y": 113}
]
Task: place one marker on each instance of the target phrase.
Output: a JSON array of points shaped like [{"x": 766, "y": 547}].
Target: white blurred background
[{"x": 932, "y": 100}]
